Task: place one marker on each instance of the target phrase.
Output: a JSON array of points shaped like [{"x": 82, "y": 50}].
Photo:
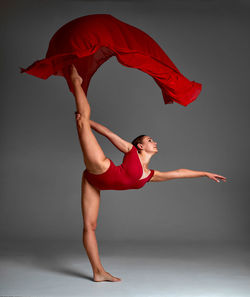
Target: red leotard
[{"x": 123, "y": 177}]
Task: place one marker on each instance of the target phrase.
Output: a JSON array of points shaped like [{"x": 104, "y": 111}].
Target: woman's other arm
[
  {"x": 123, "y": 145},
  {"x": 184, "y": 173},
  {"x": 99, "y": 128}
]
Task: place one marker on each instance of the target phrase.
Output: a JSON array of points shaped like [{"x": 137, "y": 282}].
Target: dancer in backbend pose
[{"x": 102, "y": 174}]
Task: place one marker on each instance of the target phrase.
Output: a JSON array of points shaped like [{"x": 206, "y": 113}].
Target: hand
[
  {"x": 77, "y": 115},
  {"x": 215, "y": 177}
]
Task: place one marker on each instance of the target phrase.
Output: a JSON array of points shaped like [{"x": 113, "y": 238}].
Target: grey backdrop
[{"x": 41, "y": 160}]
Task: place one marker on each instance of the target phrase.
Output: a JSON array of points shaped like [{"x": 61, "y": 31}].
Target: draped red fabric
[{"x": 89, "y": 41}]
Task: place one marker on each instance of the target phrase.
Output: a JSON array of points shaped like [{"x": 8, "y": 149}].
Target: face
[{"x": 149, "y": 145}]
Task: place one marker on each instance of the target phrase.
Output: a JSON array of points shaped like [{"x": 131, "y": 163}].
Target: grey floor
[{"x": 46, "y": 268}]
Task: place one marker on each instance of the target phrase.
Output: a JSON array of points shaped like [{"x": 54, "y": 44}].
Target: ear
[{"x": 140, "y": 146}]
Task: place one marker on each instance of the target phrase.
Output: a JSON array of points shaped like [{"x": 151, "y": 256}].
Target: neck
[{"x": 145, "y": 158}]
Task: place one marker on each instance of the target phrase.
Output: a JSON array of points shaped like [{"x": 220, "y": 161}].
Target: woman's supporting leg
[{"x": 90, "y": 209}]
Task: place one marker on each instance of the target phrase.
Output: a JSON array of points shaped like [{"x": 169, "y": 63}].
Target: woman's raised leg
[
  {"x": 95, "y": 160},
  {"x": 90, "y": 209}
]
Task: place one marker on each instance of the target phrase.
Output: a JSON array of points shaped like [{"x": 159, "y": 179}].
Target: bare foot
[
  {"x": 105, "y": 276},
  {"x": 73, "y": 74}
]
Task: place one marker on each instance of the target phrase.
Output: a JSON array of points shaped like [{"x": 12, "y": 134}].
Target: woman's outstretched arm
[{"x": 184, "y": 173}]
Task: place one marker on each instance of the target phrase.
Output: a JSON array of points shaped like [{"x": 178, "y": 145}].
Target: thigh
[
  {"x": 94, "y": 158},
  {"x": 90, "y": 203}
]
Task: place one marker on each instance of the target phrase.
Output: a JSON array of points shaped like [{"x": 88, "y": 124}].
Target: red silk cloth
[{"x": 89, "y": 41}]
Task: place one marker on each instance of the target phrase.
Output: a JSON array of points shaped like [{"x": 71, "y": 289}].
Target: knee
[{"x": 90, "y": 226}]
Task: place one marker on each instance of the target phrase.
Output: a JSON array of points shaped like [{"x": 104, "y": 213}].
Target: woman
[{"x": 102, "y": 174}]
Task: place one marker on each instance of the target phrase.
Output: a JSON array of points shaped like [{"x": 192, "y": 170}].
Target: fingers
[
  {"x": 218, "y": 178},
  {"x": 221, "y": 177},
  {"x": 77, "y": 115}
]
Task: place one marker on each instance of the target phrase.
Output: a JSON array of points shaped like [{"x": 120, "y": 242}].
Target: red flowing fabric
[{"x": 89, "y": 41}]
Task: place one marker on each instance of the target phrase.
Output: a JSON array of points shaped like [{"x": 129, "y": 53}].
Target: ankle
[
  {"x": 98, "y": 270},
  {"x": 76, "y": 82}
]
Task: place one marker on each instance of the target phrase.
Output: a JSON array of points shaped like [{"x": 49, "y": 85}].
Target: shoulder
[
  {"x": 131, "y": 148},
  {"x": 155, "y": 174}
]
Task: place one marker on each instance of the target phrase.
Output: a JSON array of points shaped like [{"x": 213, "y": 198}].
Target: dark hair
[{"x": 137, "y": 140}]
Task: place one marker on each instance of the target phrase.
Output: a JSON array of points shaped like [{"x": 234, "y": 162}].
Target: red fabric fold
[{"x": 89, "y": 41}]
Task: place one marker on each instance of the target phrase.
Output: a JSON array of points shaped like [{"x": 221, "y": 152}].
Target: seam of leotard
[
  {"x": 141, "y": 168},
  {"x": 100, "y": 173},
  {"x": 151, "y": 173}
]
